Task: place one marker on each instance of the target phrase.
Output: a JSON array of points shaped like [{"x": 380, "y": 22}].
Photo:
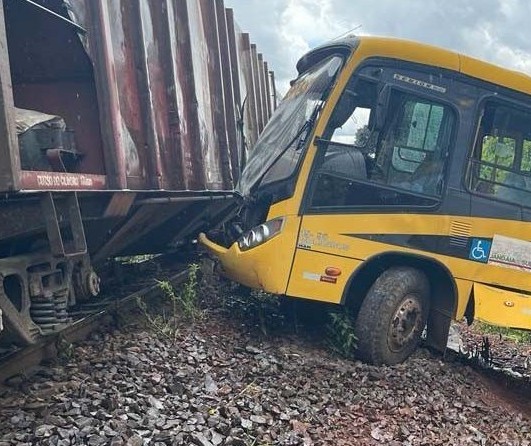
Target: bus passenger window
[
  {"x": 497, "y": 153},
  {"x": 501, "y": 166},
  {"x": 525, "y": 163}
]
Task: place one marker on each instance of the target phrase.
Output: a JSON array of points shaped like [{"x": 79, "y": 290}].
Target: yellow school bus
[{"x": 395, "y": 179}]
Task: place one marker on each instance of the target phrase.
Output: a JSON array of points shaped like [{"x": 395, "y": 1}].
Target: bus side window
[
  {"x": 349, "y": 124},
  {"x": 497, "y": 153},
  {"x": 501, "y": 166},
  {"x": 525, "y": 162},
  {"x": 419, "y": 147}
]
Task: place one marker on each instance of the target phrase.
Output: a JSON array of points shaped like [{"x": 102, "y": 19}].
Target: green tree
[
  {"x": 362, "y": 136},
  {"x": 526, "y": 157},
  {"x": 500, "y": 152}
]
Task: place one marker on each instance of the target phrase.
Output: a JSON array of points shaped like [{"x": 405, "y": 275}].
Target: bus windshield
[{"x": 276, "y": 153}]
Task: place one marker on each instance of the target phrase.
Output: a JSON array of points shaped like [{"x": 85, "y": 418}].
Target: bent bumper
[
  {"x": 235, "y": 264},
  {"x": 264, "y": 267}
]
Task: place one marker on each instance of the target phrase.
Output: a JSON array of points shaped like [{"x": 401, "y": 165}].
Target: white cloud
[
  {"x": 494, "y": 30},
  {"x": 509, "y": 8},
  {"x": 305, "y": 24},
  {"x": 483, "y": 41}
]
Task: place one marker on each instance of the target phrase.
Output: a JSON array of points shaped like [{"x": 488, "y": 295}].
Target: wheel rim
[{"x": 403, "y": 327}]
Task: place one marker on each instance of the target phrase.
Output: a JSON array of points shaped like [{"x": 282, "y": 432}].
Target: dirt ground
[{"x": 236, "y": 377}]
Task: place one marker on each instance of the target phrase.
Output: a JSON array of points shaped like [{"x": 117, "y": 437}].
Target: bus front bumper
[{"x": 258, "y": 268}]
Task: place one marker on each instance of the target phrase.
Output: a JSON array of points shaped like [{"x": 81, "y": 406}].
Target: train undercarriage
[{"x": 52, "y": 242}]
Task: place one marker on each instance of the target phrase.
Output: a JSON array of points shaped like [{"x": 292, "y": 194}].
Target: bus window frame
[
  {"x": 387, "y": 65},
  {"x": 500, "y": 100}
]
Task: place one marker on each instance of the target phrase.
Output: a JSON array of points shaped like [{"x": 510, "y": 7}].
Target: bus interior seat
[{"x": 345, "y": 161}]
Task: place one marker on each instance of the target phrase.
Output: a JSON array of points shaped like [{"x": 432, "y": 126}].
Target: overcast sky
[{"x": 494, "y": 30}]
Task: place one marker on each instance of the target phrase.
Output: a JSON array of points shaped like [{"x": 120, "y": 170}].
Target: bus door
[{"x": 500, "y": 186}]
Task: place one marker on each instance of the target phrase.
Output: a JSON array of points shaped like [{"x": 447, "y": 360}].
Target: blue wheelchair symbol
[{"x": 480, "y": 250}]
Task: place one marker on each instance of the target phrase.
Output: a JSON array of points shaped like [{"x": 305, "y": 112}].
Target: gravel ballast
[{"x": 220, "y": 383}]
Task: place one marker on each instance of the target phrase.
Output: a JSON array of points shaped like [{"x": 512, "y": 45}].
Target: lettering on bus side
[
  {"x": 419, "y": 83},
  {"x": 308, "y": 240},
  {"x": 316, "y": 277},
  {"x": 510, "y": 253}
]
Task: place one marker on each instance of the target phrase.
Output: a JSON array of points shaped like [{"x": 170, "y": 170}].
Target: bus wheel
[{"x": 392, "y": 316}]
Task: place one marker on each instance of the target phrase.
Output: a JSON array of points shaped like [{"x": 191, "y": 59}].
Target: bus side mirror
[{"x": 381, "y": 108}]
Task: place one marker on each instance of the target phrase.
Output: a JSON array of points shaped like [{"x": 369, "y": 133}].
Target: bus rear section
[{"x": 404, "y": 195}]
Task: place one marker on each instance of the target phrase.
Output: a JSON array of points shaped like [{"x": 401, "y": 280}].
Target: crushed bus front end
[{"x": 243, "y": 261}]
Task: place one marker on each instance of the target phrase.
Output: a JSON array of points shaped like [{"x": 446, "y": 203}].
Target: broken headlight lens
[{"x": 260, "y": 234}]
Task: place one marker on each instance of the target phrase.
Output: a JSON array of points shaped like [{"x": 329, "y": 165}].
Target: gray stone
[
  {"x": 258, "y": 419},
  {"x": 200, "y": 440},
  {"x": 217, "y": 438},
  {"x": 210, "y": 384},
  {"x": 246, "y": 424},
  {"x": 44, "y": 430},
  {"x": 84, "y": 422},
  {"x": 117, "y": 441},
  {"x": 96, "y": 440},
  {"x": 135, "y": 440}
]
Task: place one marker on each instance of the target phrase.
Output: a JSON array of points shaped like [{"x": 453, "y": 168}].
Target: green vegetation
[
  {"x": 518, "y": 336},
  {"x": 340, "y": 330},
  {"x": 500, "y": 152},
  {"x": 267, "y": 307},
  {"x": 185, "y": 302},
  {"x": 65, "y": 349},
  {"x": 526, "y": 156},
  {"x": 177, "y": 306}
]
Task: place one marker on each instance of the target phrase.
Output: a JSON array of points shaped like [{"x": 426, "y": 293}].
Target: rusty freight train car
[{"x": 123, "y": 124}]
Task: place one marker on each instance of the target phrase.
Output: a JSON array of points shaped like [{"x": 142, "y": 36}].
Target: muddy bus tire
[{"x": 392, "y": 316}]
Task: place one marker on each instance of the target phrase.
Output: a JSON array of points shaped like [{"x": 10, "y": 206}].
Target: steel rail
[{"x": 22, "y": 361}]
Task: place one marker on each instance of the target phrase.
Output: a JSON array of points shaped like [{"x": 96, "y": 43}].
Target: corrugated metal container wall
[
  {"x": 171, "y": 77},
  {"x": 167, "y": 60}
]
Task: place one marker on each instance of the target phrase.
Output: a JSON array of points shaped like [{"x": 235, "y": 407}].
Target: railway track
[{"x": 88, "y": 318}]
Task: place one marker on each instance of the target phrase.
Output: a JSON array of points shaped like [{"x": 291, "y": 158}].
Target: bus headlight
[{"x": 260, "y": 234}]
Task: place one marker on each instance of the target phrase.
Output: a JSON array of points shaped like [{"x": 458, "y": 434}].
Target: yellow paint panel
[
  {"x": 440, "y": 57},
  {"x": 421, "y": 224},
  {"x": 308, "y": 278},
  {"x": 495, "y": 74},
  {"x": 407, "y": 50},
  {"x": 502, "y": 307}
]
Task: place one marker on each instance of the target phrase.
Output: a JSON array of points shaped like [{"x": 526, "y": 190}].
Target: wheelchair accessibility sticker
[{"x": 480, "y": 250}]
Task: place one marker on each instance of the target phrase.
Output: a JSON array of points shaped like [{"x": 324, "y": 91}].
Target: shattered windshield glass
[{"x": 276, "y": 153}]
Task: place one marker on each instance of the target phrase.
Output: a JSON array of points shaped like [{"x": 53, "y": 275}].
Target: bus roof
[{"x": 370, "y": 46}]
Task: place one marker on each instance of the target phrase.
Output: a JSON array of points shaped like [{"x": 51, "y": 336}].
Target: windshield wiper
[{"x": 307, "y": 126}]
